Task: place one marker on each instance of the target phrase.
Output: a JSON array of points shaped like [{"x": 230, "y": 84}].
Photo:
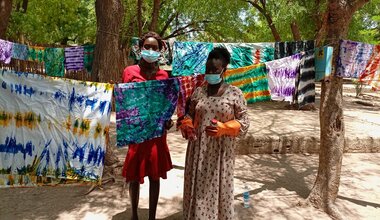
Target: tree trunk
[
  {"x": 156, "y": 11},
  {"x": 139, "y": 16},
  {"x": 109, "y": 16},
  {"x": 326, "y": 186},
  {"x": 107, "y": 57},
  {"x": 5, "y": 14},
  {"x": 295, "y": 31}
]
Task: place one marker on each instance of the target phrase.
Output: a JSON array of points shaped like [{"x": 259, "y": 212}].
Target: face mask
[
  {"x": 150, "y": 56},
  {"x": 213, "y": 79}
]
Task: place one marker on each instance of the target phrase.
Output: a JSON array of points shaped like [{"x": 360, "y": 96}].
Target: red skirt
[{"x": 150, "y": 158}]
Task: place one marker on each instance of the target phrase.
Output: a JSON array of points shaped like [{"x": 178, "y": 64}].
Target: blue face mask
[
  {"x": 213, "y": 79},
  {"x": 150, "y": 56}
]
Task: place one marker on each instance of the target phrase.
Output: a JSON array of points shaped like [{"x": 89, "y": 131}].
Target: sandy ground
[{"x": 277, "y": 183}]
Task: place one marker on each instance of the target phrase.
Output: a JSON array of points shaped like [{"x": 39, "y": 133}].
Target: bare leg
[
  {"x": 134, "y": 194},
  {"x": 154, "y": 191}
]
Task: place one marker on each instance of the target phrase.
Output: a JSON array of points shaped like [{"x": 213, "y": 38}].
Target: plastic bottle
[{"x": 246, "y": 196}]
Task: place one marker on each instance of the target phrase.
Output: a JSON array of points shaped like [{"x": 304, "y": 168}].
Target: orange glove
[
  {"x": 187, "y": 129},
  {"x": 229, "y": 128}
]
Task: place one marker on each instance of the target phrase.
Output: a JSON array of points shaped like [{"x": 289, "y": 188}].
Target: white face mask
[{"x": 150, "y": 56}]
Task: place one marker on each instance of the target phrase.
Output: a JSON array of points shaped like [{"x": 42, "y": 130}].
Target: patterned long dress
[{"x": 209, "y": 167}]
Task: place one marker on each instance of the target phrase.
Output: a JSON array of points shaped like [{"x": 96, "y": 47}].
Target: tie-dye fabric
[
  {"x": 36, "y": 53},
  {"x": 5, "y": 51},
  {"x": 190, "y": 57},
  {"x": 285, "y": 49},
  {"x": 323, "y": 63},
  {"x": 251, "y": 80},
  {"x": 54, "y": 59},
  {"x": 88, "y": 57},
  {"x": 187, "y": 86},
  {"x": 142, "y": 108},
  {"x": 282, "y": 75},
  {"x": 52, "y": 127},
  {"x": 305, "y": 83},
  {"x": 74, "y": 58},
  {"x": 353, "y": 58},
  {"x": 246, "y": 54},
  {"x": 20, "y": 51},
  {"x": 371, "y": 74}
]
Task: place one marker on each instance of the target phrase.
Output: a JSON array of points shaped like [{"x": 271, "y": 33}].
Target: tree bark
[
  {"x": 155, "y": 14},
  {"x": 295, "y": 31},
  {"x": 109, "y": 16},
  {"x": 5, "y": 14},
  {"x": 326, "y": 186},
  {"x": 139, "y": 17},
  {"x": 107, "y": 57}
]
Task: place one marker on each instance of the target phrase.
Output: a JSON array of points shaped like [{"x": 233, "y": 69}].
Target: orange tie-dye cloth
[
  {"x": 371, "y": 74},
  {"x": 187, "y": 86}
]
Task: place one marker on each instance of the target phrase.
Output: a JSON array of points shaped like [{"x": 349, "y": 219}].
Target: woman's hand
[
  {"x": 185, "y": 125},
  {"x": 229, "y": 128}
]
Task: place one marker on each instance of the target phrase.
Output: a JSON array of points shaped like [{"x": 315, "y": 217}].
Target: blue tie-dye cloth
[
  {"x": 353, "y": 58},
  {"x": 20, "y": 51},
  {"x": 51, "y": 127},
  {"x": 189, "y": 58},
  {"x": 142, "y": 108}
]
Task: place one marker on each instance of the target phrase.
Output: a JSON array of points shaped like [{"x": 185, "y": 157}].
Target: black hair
[
  {"x": 155, "y": 36},
  {"x": 220, "y": 53}
]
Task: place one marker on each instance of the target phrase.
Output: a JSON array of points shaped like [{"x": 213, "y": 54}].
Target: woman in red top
[{"x": 150, "y": 158}]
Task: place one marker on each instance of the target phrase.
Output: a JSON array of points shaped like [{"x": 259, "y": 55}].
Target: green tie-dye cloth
[
  {"x": 88, "y": 57},
  {"x": 251, "y": 80},
  {"x": 142, "y": 108},
  {"x": 54, "y": 59},
  {"x": 36, "y": 53}
]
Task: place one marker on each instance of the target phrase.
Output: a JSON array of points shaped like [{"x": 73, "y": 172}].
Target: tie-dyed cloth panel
[
  {"x": 5, "y": 51},
  {"x": 20, "y": 51},
  {"x": 323, "y": 62},
  {"x": 187, "y": 86},
  {"x": 36, "y": 53},
  {"x": 52, "y": 127},
  {"x": 166, "y": 52},
  {"x": 74, "y": 58},
  {"x": 88, "y": 57},
  {"x": 142, "y": 108},
  {"x": 246, "y": 54},
  {"x": 371, "y": 74},
  {"x": 305, "y": 83},
  {"x": 282, "y": 75},
  {"x": 54, "y": 59},
  {"x": 353, "y": 58},
  {"x": 190, "y": 57},
  {"x": 288, "y": 48},
  {"x": 252, "y": 80}
]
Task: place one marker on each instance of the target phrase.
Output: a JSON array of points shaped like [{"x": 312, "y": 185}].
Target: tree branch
[
  {"x": 181, "y": 33},
  {"x": 179, "y": 30},
  {"x": 168, "y": 22},
  {"x": 356, "y": 5},
  {"x": 267, "y": 16}
]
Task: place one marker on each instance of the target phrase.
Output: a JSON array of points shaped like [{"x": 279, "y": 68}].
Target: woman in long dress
[{"x": 217, "y": 115}]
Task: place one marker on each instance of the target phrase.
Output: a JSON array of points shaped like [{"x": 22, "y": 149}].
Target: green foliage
[
  {"x": 365, "y": 25},
  {"x": 74, "y": 21},
  {"x": 54, "y": 22}
]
